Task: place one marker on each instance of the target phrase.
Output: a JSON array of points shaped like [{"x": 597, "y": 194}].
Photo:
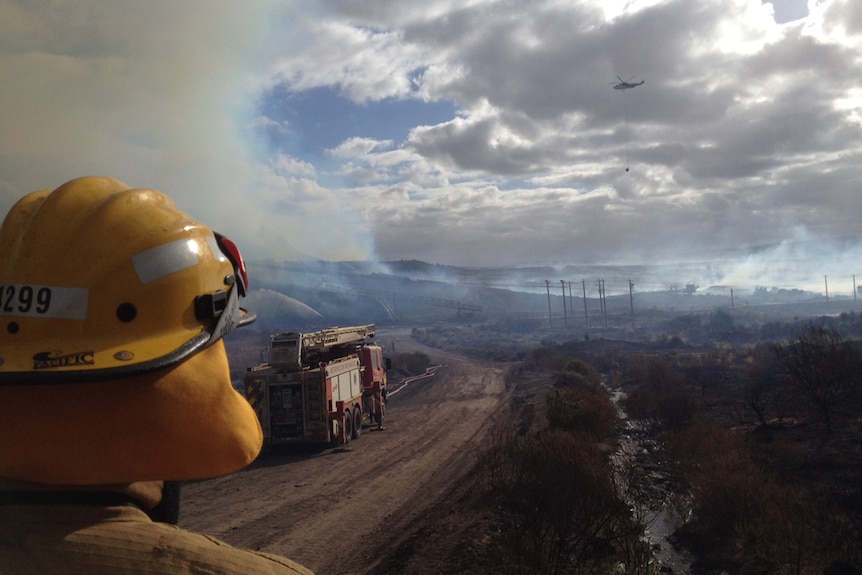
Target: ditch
[{"x": 649, "y": 493}]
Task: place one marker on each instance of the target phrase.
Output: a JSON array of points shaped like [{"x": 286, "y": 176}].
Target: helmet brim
[{"x": 179, "y": 423}]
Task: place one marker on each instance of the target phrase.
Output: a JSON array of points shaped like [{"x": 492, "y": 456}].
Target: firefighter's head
[{"x": 113, "y": 303}]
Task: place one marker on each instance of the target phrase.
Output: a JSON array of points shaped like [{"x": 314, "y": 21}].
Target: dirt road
[{"x": 350, "y": 510}]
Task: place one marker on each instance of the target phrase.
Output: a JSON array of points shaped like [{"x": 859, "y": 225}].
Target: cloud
[
  {"x": 514, "y": 148},
  {"x": 367, "y": 63},
  {"x": 739, "y": 117}
]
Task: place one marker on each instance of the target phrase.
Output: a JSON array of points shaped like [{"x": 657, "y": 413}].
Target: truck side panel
[{"x": 344, "y": 378}]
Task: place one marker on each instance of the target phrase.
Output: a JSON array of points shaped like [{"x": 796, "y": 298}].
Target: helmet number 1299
[
  {"x": 24, "y": 299},
  {"x": 43, "y": 301}
]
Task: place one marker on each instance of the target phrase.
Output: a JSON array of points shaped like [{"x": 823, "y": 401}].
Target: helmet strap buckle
[{"x": 211, "y": 305}]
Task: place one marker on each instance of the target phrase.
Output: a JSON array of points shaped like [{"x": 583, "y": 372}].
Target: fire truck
[{"x": 319, "y": 387}]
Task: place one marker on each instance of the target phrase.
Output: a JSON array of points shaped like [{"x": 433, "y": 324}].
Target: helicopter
[{"x": 626, "y": 84}]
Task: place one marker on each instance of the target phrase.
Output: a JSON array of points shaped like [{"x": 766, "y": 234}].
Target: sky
[{"x": 474, "y": 133}]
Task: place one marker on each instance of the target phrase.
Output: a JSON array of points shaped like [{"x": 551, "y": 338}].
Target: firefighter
[
  {"x": 114, "y": 383},
  {"x": 382, "y": 399}
]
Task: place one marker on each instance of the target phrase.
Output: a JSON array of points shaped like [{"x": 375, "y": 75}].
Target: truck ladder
[{"x": 336, "y": 336}]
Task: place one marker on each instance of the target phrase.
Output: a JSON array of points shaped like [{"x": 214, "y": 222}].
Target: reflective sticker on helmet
[
  {"x": 24, "y": 300},
  {"x": 215, "y": 250},
  {"x": 164, "y": 260}
]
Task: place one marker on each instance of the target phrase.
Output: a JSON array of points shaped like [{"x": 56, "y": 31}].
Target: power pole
[
  {"x": 586, "y": 317},
  {"x": 565, "y": 316},
  {"x": 632, "y": 300},
  {"x": 602, "y": 303},
  {"x": 548, "y": 287},
  {"x": 854, "y": 287},
  {"x": 826, "y": 283}
]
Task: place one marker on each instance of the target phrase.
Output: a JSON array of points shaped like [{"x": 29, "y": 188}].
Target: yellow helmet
[
  {"x": 113, "y": 303},
  {"x": 100, "y": 281}
]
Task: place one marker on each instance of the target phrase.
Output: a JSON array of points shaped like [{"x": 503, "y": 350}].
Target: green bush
[
  {"x": 582, "y": 409},
  {"x": 578, "y": 372}
]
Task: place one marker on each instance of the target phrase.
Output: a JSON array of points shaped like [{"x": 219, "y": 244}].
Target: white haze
[{"x": 160, "y": 95}]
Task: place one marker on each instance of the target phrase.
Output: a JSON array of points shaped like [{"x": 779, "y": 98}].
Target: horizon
[{"x": 708, "y": 276}]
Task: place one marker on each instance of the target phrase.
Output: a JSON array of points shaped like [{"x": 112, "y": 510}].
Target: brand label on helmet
[
  {"x": 54, "y": 359},
  {"x": 24, "y": 300}
]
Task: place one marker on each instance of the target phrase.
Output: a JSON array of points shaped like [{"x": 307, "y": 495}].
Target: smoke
[
  {"x": 802, "y": 262},
  {"x": 162, "y": 95}
]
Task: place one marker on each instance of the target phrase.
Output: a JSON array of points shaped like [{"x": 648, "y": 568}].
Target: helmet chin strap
[
  {"x": 168, "y": 509},
  {"x": 231, "y": 317}
]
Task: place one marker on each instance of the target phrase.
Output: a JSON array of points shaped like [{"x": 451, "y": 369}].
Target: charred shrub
[
  {"x": 724, "y": 480},
  {"x": 741, "y": 509},
  {"x": 825, "y": 368},
  {"x": 556, "y": 505},
  {"x": 413, "y": 363},
  {"x": 658, "y": 395},
  {"x": 547, "y": 356}
]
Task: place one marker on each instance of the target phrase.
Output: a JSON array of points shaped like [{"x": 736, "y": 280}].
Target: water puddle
[{"x": 649, "y": 493}]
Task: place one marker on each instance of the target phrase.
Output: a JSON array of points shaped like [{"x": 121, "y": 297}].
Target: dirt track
[{"x": 349, "y": 510}]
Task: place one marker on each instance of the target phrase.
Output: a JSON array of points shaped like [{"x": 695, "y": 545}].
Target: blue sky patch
[{"x": 318, "y": 119}]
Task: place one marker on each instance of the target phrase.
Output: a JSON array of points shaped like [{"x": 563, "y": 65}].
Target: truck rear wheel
[
  {"x": 347, "y": 425},
  {"x": 357, "y": 423}
]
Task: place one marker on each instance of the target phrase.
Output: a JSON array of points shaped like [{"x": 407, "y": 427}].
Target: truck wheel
[
  {"x": 357, "y": 423},
  {"x": 347, "y": 425}
]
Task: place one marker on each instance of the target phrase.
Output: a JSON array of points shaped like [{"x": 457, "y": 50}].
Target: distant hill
[{"x": 314, "y": 293}]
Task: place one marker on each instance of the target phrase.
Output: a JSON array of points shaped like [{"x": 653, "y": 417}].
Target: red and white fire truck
[{"x": 319, "y": 387}]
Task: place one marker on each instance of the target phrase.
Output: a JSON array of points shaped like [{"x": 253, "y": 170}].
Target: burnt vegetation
[
  {"x": 410, "y": 363},
  {"x": 752, "y": 448},
  {"x": 741, "y": 427}
]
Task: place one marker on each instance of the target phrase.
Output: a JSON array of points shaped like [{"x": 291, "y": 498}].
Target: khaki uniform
[{"x": 88, "y": 539}]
